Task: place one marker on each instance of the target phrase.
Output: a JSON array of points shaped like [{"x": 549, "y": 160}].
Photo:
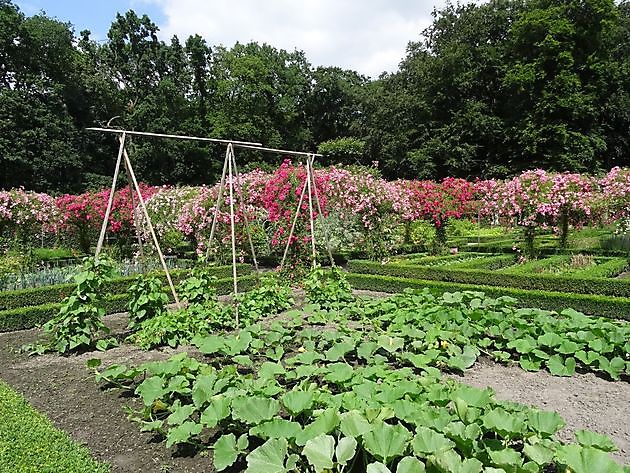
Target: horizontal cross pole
[
  {"x": 239, "y": 144},
  {"x": 178, "y": 137},
  {"x": 279, "y": 151}
]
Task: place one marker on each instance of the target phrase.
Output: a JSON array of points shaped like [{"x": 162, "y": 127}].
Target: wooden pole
[
  {"x": 217, "y": 207},
  {"x": 239, "y": 191},
  {"x": 151, "y": 230},
  {"x": 321, "y": 215},
  {"x": 310, "y": 209},
  {"x": 101, "y": 237},
  {"x": 297, "y": 212},
  {"x": 135, "y": 220},
  {"x": 178, "y": 137},
  {"x": 230, "y": 153}
]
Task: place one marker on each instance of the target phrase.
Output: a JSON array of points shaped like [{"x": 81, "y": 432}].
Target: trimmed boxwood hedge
[
  {"x": 31, "y": 316},
  {"x": 542, "y": 282},
  {"x": 612, "y": 307},
  {"x": 52, "y": 294}
]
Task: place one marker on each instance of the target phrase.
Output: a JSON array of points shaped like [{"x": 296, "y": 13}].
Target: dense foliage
[
  {"x": 486, "y": 91},
  {"x": 359, "y": 389}
]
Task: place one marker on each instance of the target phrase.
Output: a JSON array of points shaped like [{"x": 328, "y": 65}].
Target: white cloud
[{"x": 369, "y": 36}]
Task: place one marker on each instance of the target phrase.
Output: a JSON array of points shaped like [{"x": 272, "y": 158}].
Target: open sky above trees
[{"x": 486, "y": 90}]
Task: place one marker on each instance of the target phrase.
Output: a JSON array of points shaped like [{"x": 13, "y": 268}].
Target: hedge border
[
  {"x": 611, "y": 307},
  {"x": 54, "y": 294},
  {"x": 32, "y": 316},
  {"x": 537, "y": 282}
]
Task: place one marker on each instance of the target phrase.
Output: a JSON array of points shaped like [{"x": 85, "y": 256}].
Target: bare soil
[{"x": 65, "y": 390}]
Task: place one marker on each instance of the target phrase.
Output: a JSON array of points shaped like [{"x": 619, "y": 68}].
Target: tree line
[{"x": 485, "y": 91}]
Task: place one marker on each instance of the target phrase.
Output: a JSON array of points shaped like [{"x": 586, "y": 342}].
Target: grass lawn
[{"x": 30, "y": 443}]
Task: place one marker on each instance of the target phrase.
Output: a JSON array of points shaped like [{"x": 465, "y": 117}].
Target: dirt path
[
  {"x": 64, "y": 390},
  {"x": 583, "y": 400}
]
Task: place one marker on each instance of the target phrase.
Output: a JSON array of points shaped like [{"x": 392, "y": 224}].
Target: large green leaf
[
  {"x": 210, "y": 345},
  {"x": 254, "y": 409},
  {"x": 218, "y": 410},
  {"x": 465, "y": 360},
  {"x": 428, "y": 441},
  {"x": 390, "y": 344},
  {"x": 353, "y": 424},
  {"x": 559, "y": 367},
  {"x": 538, "y": 453},
  {"x": 410, "y": 465},
  {"x": 319, "y": 452},
  {"x": 325, "y": 423},
  {"x": 151, "y": 389},
  {"x": 586, "y": 460},
  {"x": 338, "y": 372},
  {"x": 276, "y": 428},
  {"x": 297, "y": 401},
  {"x": 546, "y": 423},
  {"x": 506, "y": 457},
  {"x": 386, "y": 441},
  {"x": 182, "y": 433},
  {"x": 338, "y": 350},
  {"x": 179, "y": 413},
  {"x": 592, "y": 439},
  {"x": 268, "y": 458},
  {"x": 225, "y": 452},
  {"x": 377, "y": 467},
  {"x": 507, "y": 425},
  {"x": 346, "y": 449},
  {"x": 203, "y": 389}
]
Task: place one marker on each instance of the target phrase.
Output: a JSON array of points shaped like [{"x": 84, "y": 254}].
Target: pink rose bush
[
  {"x": 25, "y": 214},
  {"x": 367, "y": 207},
  {"x": 538, "y": 199}
]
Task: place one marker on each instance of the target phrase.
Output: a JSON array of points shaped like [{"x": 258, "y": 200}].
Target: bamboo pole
[
  {"x": 238, "y": 144},
  {"x": 151, "y": 230},
  {"x": 178, "y": 137},
  {"x": 135, "y": 220},
  {"x": 230, "y": 154},
  {"x": 297, "y": 212},
  {"x": 321, "y": 216},
  {"x": 239, "y": 191},
  {"x": 217, "y": 207},
  {"x": 101, "y": 237},
  {"x": 310, "y": 209}
]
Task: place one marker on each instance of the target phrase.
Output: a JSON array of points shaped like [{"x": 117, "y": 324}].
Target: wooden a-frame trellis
[{"x": 229, "y": 175}]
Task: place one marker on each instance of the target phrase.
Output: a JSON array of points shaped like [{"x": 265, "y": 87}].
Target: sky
[{"x": 369, "y": 36}]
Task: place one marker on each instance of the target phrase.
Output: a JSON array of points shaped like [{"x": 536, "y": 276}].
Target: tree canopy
[{"x": 485, "y": 91}]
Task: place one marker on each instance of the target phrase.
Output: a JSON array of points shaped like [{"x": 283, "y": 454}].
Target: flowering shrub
[
  {"x": 369, "y": 200},
  {"x": 195, "y": 220},
  {"x": 25, "y": 214},
  {"x": 615, "y": 188},
  {"x": 280, "y": 199},
  {"x": 165, "y": 210},
  {"x": 435, "y": 202},
  {"x": 82, "y": 215},
  {"x": 540, "y": 199}
]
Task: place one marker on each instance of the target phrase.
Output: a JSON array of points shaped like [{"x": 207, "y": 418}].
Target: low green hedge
[
  {"x": 543, "y": 282},
  {"x": 32, "y": 316},
  {"x": 488, "y": 263},
  {"x": 29, "y": 443},
  {"x": 547, "y": 250},
  {"x": 612, "y": 307},
  {"x": 56, "y": 293}
]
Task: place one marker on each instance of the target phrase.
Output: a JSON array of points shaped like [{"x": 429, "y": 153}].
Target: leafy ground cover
[
  {"x": 29, "y": 443},
  {"x": 360, "y": 389}
]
